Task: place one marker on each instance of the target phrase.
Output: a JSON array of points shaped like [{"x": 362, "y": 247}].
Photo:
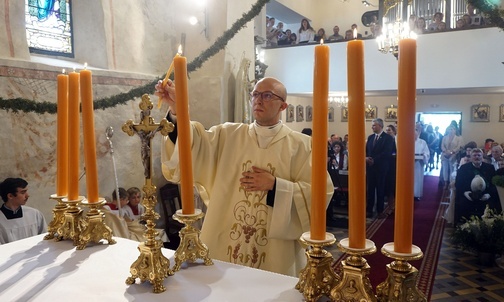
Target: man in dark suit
[
  {"x": 379, "y": 148},
  {"x": 472, "y": 196}
]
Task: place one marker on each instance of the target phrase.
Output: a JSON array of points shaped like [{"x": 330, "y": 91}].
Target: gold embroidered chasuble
[{"x": 239, "y": 227}]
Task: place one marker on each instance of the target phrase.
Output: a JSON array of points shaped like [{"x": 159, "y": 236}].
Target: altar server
[
  {"x": 18, "y": 221},
  {"x": 422, "y": 155},
  {"x": 255, "y": 179}
]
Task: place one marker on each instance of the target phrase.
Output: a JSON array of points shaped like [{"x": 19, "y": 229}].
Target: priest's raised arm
[{"x": 255, "y": 180}]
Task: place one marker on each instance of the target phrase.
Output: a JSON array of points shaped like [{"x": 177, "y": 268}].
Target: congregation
[
  {"x": 458, "y": 164},
  {"x": 276, "y": 35}
]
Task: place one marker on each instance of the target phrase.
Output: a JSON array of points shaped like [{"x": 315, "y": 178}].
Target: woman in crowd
[
  {"x": 320, "y": 35},
  {"x": 450, "y": 146},
  {"x": 338, "y": 160},
  {"x": 306, "y": 33}
]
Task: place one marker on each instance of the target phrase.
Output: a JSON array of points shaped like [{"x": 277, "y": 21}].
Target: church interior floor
[{"x": 459, "y": 277}]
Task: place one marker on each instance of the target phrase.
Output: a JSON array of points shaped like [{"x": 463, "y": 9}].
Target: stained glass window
[{"x": 49, "y": 27}]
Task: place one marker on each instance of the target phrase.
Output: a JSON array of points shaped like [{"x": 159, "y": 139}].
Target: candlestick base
[
  {"x": 354, "y": 284},
  {"x": 402, "y": 276},
  {"x": 191, "y": 247},
  {"x": 318, "y": 277},
  {"x": 94, "y": 227},
  {"x": 151, "y": 265},
  {"x": 72, "y": 226},
  {"x": 58, "y": 218}
]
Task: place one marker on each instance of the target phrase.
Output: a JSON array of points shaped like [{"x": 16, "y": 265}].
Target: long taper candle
[
  {"x": 184, "y": 135},
  {"x": 403, "y": 230},
  {"x": 319, "y": 142},
  {"x": 62, "y": 137},
  {"x": 356, "y": 130},
  {"x": 88, "y": 127},
  {"x": 73, "y": 136}
]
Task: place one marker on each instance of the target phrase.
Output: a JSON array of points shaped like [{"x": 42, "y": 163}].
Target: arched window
[{"x": 49, "y": 27}]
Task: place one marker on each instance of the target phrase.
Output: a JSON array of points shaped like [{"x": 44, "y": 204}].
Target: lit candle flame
[
  {"x": 321, "y": 41},
  {"x": 179, "y": 52},
  {"x": 85, "y": 65},
  {"x": 63, "y": 71},
  {"x": 355, "y": 33}
]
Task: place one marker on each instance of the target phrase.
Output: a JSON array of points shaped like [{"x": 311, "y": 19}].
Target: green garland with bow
[
  {"x": 25, "y": 105},
  {"x": 490, "y": 10}
]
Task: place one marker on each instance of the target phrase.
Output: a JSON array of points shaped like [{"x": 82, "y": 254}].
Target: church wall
[
  {"x": 471, "y": 131},
  {"x": 145, "y": 42}
]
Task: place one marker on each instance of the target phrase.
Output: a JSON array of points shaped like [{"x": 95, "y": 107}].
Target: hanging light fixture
[{"x": 388, "y": 41}]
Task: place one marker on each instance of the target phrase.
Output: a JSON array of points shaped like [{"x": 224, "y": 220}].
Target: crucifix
[{"x": 151, "y": 264}]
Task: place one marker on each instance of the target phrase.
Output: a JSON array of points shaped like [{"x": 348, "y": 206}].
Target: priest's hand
[
  {"x": 166, "y": 94},
  {"x": 257, "y": 180}
]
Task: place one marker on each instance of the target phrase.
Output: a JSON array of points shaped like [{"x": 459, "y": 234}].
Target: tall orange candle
[
  {"x": 73, "y": 136},
  {"x": 184, "y": 135},
  {"x": 86, "y": 88},
  {"x": 356, "y": 131},
  {"x": 62, "y": 137},
  {"x": 319, "y": 142},
  {"x": 403, "y": 231}
]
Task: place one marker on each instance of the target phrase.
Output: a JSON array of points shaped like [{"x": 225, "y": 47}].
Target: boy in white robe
[
  {"x": 18, "y": 221},
  {"x": 255, "y": 180},
  {"x": 422, "y": 155}
]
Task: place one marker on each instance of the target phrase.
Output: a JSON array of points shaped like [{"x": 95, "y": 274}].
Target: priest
[{"x": 255, "y": 180}]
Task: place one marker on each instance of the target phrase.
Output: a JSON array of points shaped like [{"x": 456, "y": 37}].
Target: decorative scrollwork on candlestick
[
  {"x": 58, "y": 218},
  {"x": 402, "y": 276},
  {"x": 151, "y": 264},
  {"x": 73, "y": 224},
  {"x": 191, "y": 247},
  {"x": 318, "y": 277},
  {"x": 354, "y": 284},
  {"x": 94, "y": 228}
]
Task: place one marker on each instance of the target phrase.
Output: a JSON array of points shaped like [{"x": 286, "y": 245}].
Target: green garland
[
  {"x": 25, "y": 105},
  {"x": 491, "y": 12}
]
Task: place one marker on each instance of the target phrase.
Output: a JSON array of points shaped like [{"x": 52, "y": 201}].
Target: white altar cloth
[{"x": 34, "y": 269}]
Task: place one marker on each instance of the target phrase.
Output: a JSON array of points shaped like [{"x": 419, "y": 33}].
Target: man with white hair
[{"x": 496, "y": 159}]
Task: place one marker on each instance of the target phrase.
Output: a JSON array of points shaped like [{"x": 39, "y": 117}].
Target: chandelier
[
  {"x": 388, "y": 41},
  {"x": 339, "y": 100}
]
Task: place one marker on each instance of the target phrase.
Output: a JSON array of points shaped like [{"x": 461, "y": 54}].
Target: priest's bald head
[{"x": 268, "y": 100}]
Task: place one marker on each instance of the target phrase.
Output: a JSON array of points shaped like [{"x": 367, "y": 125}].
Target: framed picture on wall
[
  {"x": 290, "y": 114},
  {"x": 391, "y": 113},
  {"x": 299, "y": 113},
  {"x": 501, "y": 113},
  {"x": 371, "y": 112},
  {"x": 331, "y": 114},
  {"x": 344, "y": 114},
  {"x": 309, "y": 113},
  {"x": 480, "y": 113}
]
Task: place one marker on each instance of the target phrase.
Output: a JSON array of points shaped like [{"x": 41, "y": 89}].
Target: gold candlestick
[
  {"x": 151, "y": 264},
  {"x": 58, "y": 218},
  {"x": 72, "y": 226},
  {"x": 402, "y": 276},
  {"x": 191, "y": 247},
  {"x": 94, "y": 228},
  {"x": 318, "y": 277},
  {"x": 354, "y": 284}
]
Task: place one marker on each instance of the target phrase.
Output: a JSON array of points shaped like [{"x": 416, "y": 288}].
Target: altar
[{"x": 34, "y": 269}]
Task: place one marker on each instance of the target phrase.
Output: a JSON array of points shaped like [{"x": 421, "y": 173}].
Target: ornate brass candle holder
[
  {"x": 72, "y": 226},
  {"x": 354, "y": 284},
  {"x": 58, "y": 218},
  {"x": 191, "y": 247},
  {"x": 402, "y": 276},
  {"x": 94, "y": 228},
  {"x": 151, "y": 264},
  {"x": 318, "y": 277}
]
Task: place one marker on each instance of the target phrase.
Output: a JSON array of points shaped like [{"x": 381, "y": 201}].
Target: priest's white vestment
[
  {"x": 239, "y": 226},
  {"x": 32, "y": 223}
]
